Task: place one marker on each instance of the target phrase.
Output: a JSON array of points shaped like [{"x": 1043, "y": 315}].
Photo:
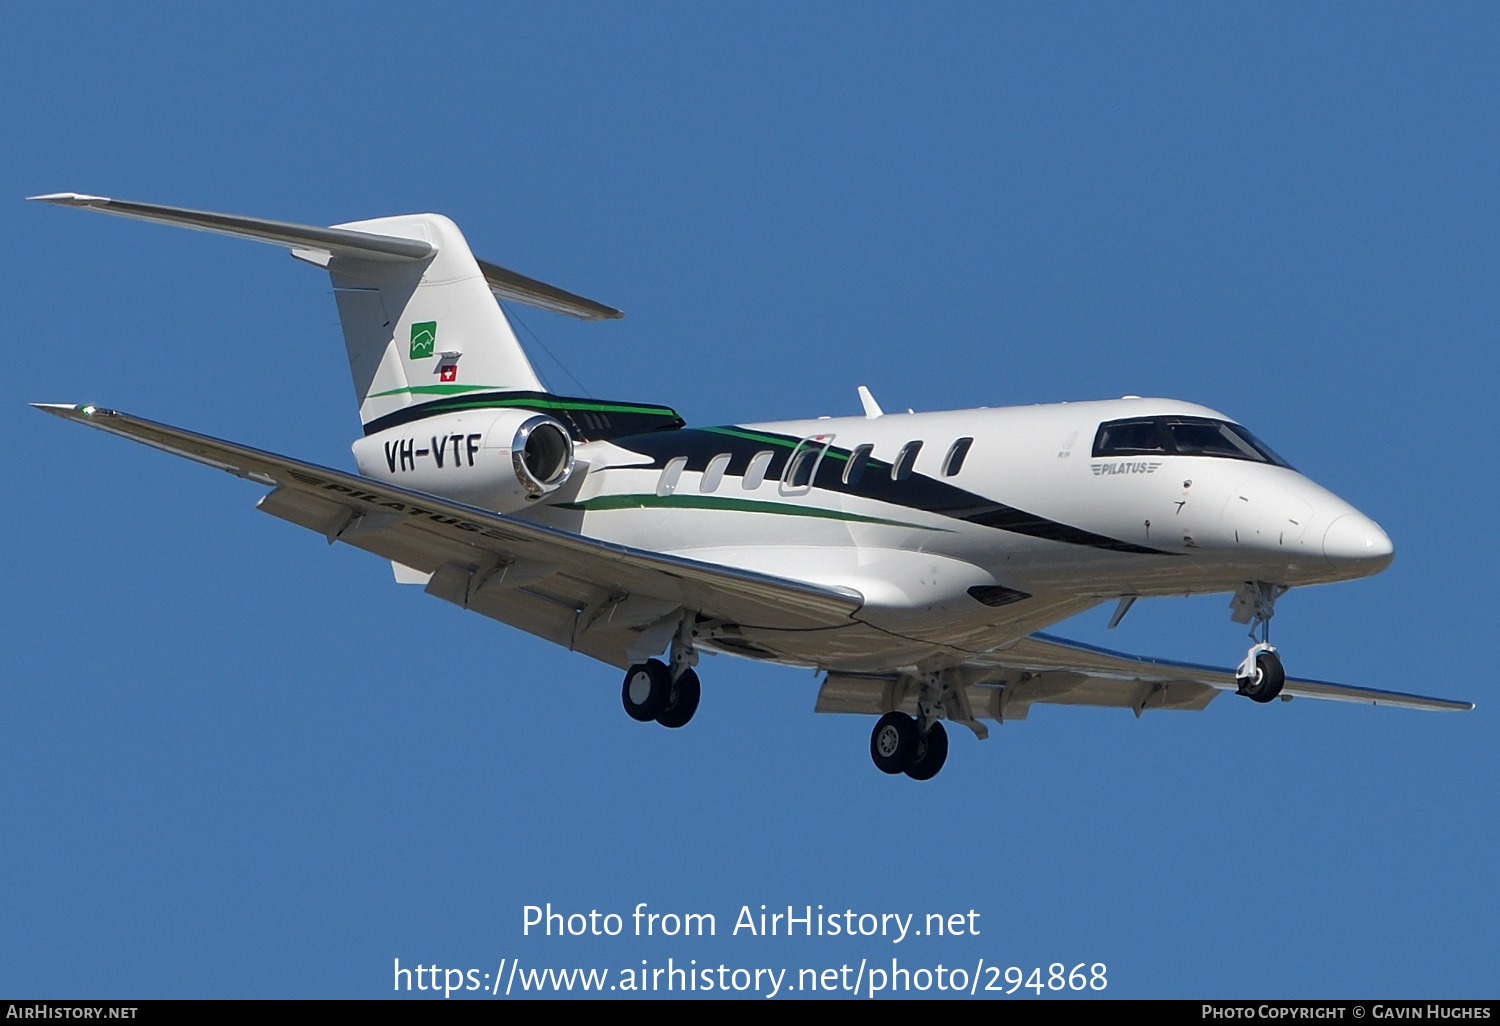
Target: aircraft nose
[{"x": 1356, "y": 542}]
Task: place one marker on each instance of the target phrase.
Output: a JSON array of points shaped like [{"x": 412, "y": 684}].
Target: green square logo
[{"x": 423, "y": 338}]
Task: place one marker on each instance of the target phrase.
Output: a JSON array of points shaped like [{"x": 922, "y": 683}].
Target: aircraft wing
[
  {"x": 1003, "y": 685},
  {"x": 1042, "y": 654},
  {"x": 600, "y": 598}
]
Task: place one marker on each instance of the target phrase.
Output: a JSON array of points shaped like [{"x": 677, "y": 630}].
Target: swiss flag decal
[{"x": 449, "y": 372}]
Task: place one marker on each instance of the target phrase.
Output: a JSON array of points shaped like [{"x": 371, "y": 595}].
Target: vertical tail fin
[{"x": 416, "y": 330}]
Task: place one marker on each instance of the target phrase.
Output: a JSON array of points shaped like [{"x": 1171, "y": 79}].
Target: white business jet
[{"x": 910, "y": 557}]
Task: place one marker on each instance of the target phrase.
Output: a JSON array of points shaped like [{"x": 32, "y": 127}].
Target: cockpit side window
[
  {"x": 1205, "y": 438},
  {"x": 1130, "y": 438},
  {"x": 1182, "y": 436}
]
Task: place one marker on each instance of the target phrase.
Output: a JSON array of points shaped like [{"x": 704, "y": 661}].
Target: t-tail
[{"x": 421, "y": 324}]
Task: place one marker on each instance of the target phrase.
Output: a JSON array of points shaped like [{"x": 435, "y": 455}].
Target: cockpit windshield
[{"x": 1182, "y": 436}]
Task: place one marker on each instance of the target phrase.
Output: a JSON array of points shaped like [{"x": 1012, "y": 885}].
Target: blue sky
[{"x": 238, "y": 762}]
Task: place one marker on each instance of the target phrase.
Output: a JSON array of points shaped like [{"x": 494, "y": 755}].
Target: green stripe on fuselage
[
  {"x": 716, "y": 502},
  {"x": 787, "y": 443},
  {"x": 432, "y": 390},
  {"x": 754, "y": 436}
]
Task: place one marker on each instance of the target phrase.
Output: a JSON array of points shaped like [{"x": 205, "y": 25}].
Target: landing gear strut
[{"x": 1260, "y": 674}]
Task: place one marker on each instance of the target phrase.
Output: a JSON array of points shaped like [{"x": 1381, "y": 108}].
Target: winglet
[{"x": 872, "y": 408}]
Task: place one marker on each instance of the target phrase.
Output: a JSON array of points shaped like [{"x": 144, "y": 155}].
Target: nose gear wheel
[{"x": 1264, "y": 683}]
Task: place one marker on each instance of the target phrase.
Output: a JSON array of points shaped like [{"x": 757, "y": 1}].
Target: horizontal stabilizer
[
  {"x": 339, "y": 242},
  {"x": 508, "y": 284},
  {"x": 345, "y": 243}
]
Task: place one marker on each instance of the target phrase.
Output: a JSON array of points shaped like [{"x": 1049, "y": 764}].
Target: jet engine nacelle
[{"x": 501, "y": 460}]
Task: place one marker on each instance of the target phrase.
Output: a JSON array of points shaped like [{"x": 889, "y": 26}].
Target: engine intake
[{"x": 542, "y": 453}]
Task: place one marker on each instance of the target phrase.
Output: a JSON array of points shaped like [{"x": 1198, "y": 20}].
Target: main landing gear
[
  {"x": 651, "y": 694},
  {"x": 898, "y": 746},
  {"x": 918, "y": 745},
  {"x": 668, "y": 695},
  {"x": 1260, "y": 674}
]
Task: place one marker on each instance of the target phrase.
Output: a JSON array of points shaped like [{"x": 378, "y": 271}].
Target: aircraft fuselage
[{"x": 952, "y": 552}]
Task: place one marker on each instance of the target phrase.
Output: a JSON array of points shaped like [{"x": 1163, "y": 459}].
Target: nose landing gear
[{"x": 1260, "y": 674}]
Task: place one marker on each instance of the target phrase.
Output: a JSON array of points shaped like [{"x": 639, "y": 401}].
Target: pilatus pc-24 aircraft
[{"x": 911, "y": 557}]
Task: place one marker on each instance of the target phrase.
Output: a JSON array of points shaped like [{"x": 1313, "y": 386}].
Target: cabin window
[
  {"x": 799, "y": 469},
  {"x": 855, "y": 468},
  {"x": 667, "y": 483},
  {"x": 755, "y": 473},
  {"x": 901, "y": 469},
  {"x": 802, "y": 465},
  {"x": 714, "y": 473},
  {"x": 954, "y": 461}
]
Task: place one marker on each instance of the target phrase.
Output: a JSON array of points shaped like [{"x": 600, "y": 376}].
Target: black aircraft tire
[
  {"x": 1269, "y": 678},
  {"x": 893, "y": 742},
  {"x": 682, "y": 701},
  {"x": 930, "y": 754},
  {"x": 647, "y": 689}
]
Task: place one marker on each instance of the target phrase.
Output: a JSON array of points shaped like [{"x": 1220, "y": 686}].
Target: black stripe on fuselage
[
  {"x": 918, "y": 491},
  {"x": 587, "y": 420}
]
